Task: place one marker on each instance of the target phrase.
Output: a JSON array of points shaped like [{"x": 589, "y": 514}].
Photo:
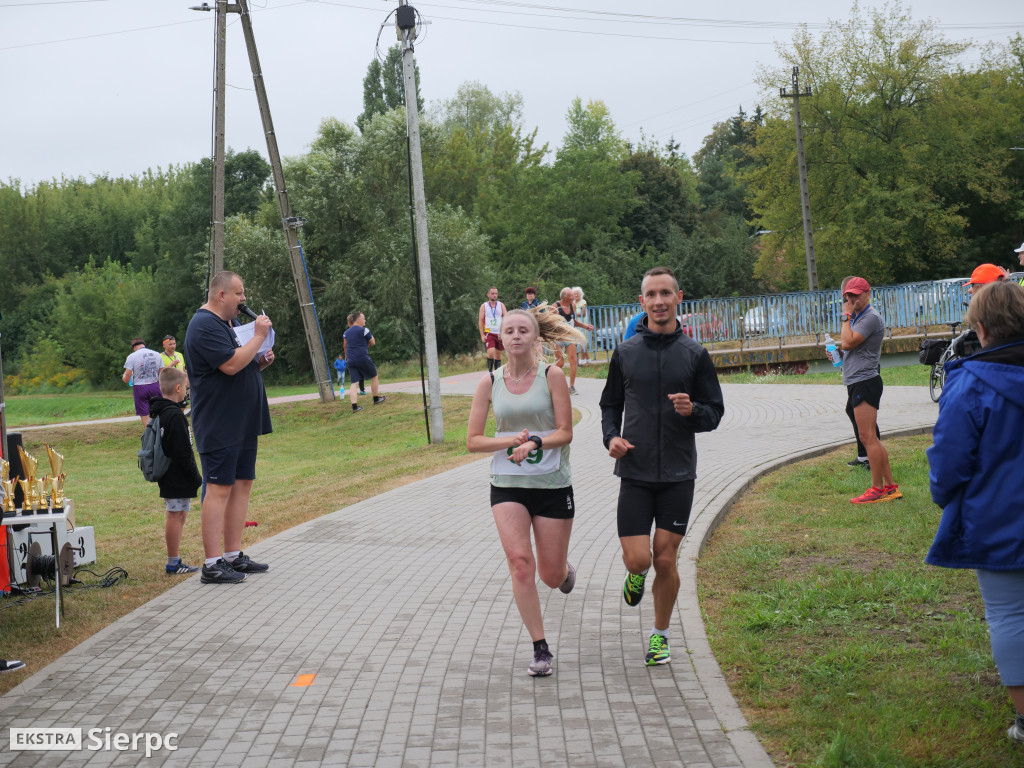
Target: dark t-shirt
[
  {"x": 357, "y": 343},
  {"x": 226, "y": 410}
]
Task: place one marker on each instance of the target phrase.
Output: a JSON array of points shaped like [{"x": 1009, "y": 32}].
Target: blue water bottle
[{"x": 832, "y": 351}]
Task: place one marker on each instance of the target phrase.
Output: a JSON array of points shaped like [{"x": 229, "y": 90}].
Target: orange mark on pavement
[{"x": 303, "y": 681}]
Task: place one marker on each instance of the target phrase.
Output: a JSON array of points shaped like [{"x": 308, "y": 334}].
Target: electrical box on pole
[{"x": 805, "y": 199}]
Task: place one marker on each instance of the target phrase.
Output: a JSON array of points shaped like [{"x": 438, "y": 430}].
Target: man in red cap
[{"x": 862, "y": 330}]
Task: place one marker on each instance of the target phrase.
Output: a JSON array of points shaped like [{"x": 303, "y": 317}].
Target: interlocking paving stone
[{"x": 419, "y": 653}]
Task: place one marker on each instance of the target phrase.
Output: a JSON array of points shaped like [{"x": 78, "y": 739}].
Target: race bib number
[{"x": 540, "y": 461}]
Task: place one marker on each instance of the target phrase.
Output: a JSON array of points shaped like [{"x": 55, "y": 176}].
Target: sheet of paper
[{"x": 245, "y": 332}]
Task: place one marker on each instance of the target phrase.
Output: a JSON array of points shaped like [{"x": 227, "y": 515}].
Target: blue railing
[{"x": 783, "y": 315}]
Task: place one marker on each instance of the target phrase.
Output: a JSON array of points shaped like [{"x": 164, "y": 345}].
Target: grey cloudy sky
[{"x": 93, "y": 87}]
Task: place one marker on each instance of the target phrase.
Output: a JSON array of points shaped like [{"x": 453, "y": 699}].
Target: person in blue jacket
[{"x": 976, "y": 456}]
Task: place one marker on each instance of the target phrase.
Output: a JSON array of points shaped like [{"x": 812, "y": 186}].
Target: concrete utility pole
[
  {"x": 217, "y": 222},
  {"x": 805, "y": 200},
  {"x": 291, "y": 224},
  {"x": 405, "y": 20}
]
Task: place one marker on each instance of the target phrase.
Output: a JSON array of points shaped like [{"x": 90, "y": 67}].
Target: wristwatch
[
  {"x": 846, "y": 316},
  {"x": 537, "y": 440}
]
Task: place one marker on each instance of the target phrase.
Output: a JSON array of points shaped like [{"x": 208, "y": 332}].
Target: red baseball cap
[
  {"x": 857, "y": 285},
  {"x": 986, "y": 273}
]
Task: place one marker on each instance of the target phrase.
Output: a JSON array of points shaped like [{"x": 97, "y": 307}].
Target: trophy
[
  {"x": 29, "y": 465},
  {"x": 40, "y": 503},
  {"x": 57, "y": 480},
  {"x": 8, "y": 487}
]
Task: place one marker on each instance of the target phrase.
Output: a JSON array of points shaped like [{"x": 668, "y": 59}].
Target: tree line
[{"x": 910, "y": 169}]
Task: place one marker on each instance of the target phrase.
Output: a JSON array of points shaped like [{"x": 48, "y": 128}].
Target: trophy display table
[{"x": 50, "y": 520}]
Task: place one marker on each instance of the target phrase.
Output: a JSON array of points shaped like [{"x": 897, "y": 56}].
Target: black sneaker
[
  {"x": 356, "y": 408},
  {"x": 10, "y": 666},
  {"x": 379, "y": 400},
  {"x": 633, "y": 588},
  {"x": 859, "y": 463},
  {"x": 245, "y": 564},
  {"x": 220, "y": 573}
]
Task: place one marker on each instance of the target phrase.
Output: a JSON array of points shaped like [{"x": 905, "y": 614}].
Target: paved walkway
[{"x": 402, "y": 609}]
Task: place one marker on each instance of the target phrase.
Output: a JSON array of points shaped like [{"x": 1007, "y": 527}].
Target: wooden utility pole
[
  {"x": 805, "y": 200},
  {"x": 405, "y": 20}
]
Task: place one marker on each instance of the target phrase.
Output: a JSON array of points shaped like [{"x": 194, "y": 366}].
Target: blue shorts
[
  {"x": 1003, "y": 593},
  {"x": 225, "y": 465},
  {"x": 362, "y": 370}
]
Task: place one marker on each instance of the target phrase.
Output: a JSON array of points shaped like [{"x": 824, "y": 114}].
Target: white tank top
[{"x": 492, "y": 317}]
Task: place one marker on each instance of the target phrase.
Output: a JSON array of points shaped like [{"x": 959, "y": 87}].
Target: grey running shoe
[
  {"x": 541, "y": 664},
  {"x": 1016, "y": 732},
  {"x": 379, "y": 400},
  {"x": 570, "y": 580},
  {"x": 220, "y": 573},
  {"x": 572, "y": 390},
  {"x": 633, "y": 588},
  {"x": 245, "y": 564}
]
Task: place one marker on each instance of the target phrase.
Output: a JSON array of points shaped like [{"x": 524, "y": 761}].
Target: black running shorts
[
  {"x": 667, "y": 505},
  {"x": 869, "y": 392},
  {"x": 557, "y": 503}
]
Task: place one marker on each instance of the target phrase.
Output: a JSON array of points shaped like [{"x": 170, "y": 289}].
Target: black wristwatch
[{"x": 537, "y": 440}]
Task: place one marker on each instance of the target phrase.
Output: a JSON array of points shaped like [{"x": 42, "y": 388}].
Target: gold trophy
[
  {"x": 57, "y": 481},
  {"x": 26, "y": 493},
  {"x": 40, "y": 495},
  {"x": 29, "y": 467},
  {"x": 8, "y": 486}
]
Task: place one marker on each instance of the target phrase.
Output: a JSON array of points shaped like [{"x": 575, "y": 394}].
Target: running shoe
[
  {"x": 1016, "y": 732},
  {"x": 657, "y": 651},
  {"x": 570, "y": 580},
  {"x": 10, "y": 666},
  {"x": 892, "y": 492},
  {"x": 871, "y": 496},
  {"x": 572, "y": 390},
  {"x": 180, "y": 569},
  {"x": 379, "y": 400},
  {"x": 633, "y": 588},
  {"x": 356, "y": 408},
  {"x": 541, "y": 664},
  {"x": 859, "y": 463},
  {"x": 245, "y": 564},
  {"x": 220, "y": 573}
]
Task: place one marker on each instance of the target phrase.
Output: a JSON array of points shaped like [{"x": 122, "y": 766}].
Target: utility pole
[
  {"x": 405, "y": 20},
  {"x": 290, "y": 223},
  {"x": 217, "y": 222},
  {"x": 805, "y": 200}
]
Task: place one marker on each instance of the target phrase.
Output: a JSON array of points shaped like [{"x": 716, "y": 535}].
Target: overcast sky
[{"x": 92, "y": 87}]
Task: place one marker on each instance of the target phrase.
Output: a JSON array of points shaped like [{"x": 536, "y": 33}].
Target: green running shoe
[
  {"x": 658, "y": 651},
  {"x": 633, "y": 588}
]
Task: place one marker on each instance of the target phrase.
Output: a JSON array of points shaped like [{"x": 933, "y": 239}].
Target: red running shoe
[
  {"x": 892, "y": 492},
  {"x": 871, "y": 496}
]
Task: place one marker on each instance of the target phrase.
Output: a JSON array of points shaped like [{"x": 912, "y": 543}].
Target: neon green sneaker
[
  {"x": 658, "y": 651},
  {"x": 633, "y": 588}
]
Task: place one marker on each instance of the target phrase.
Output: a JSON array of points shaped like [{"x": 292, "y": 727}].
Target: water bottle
[{"x": 832, "y": 351}]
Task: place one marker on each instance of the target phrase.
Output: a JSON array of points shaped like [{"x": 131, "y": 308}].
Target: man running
[
  {"x": 491, "y": 312},
  {"x": 667, "y": 386}
]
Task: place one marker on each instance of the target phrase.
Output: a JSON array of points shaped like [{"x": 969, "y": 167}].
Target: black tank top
[{"x": 569, "y": 317}]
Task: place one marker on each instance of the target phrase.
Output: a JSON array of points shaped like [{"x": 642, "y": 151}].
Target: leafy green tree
[
  {"x": 384, "y": 87},
  {"x": 96, "y": 312},
  {"x": 474, "y": 108}
]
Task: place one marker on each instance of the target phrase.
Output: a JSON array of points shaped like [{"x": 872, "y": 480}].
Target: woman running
[{"x": 531, "y": 483}]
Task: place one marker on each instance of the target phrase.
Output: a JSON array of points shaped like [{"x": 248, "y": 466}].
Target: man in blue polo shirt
[{"x": 229, "y": 413}]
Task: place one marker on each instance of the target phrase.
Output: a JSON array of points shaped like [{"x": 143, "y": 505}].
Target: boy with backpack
[{"x": 180, "y": 483}]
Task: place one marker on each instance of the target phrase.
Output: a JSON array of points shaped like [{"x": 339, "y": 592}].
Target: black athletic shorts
[
  {"x": 869, "y": 392},
  {"x": 541, "y": 502},
  {"x": 667, "y": 505}
]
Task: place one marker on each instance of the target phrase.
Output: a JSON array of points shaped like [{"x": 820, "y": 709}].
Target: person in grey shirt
[{"x": 862, "y": 332}]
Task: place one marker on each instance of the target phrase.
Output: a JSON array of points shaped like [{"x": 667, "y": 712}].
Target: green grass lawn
[{"x": 842, "y": 646}]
